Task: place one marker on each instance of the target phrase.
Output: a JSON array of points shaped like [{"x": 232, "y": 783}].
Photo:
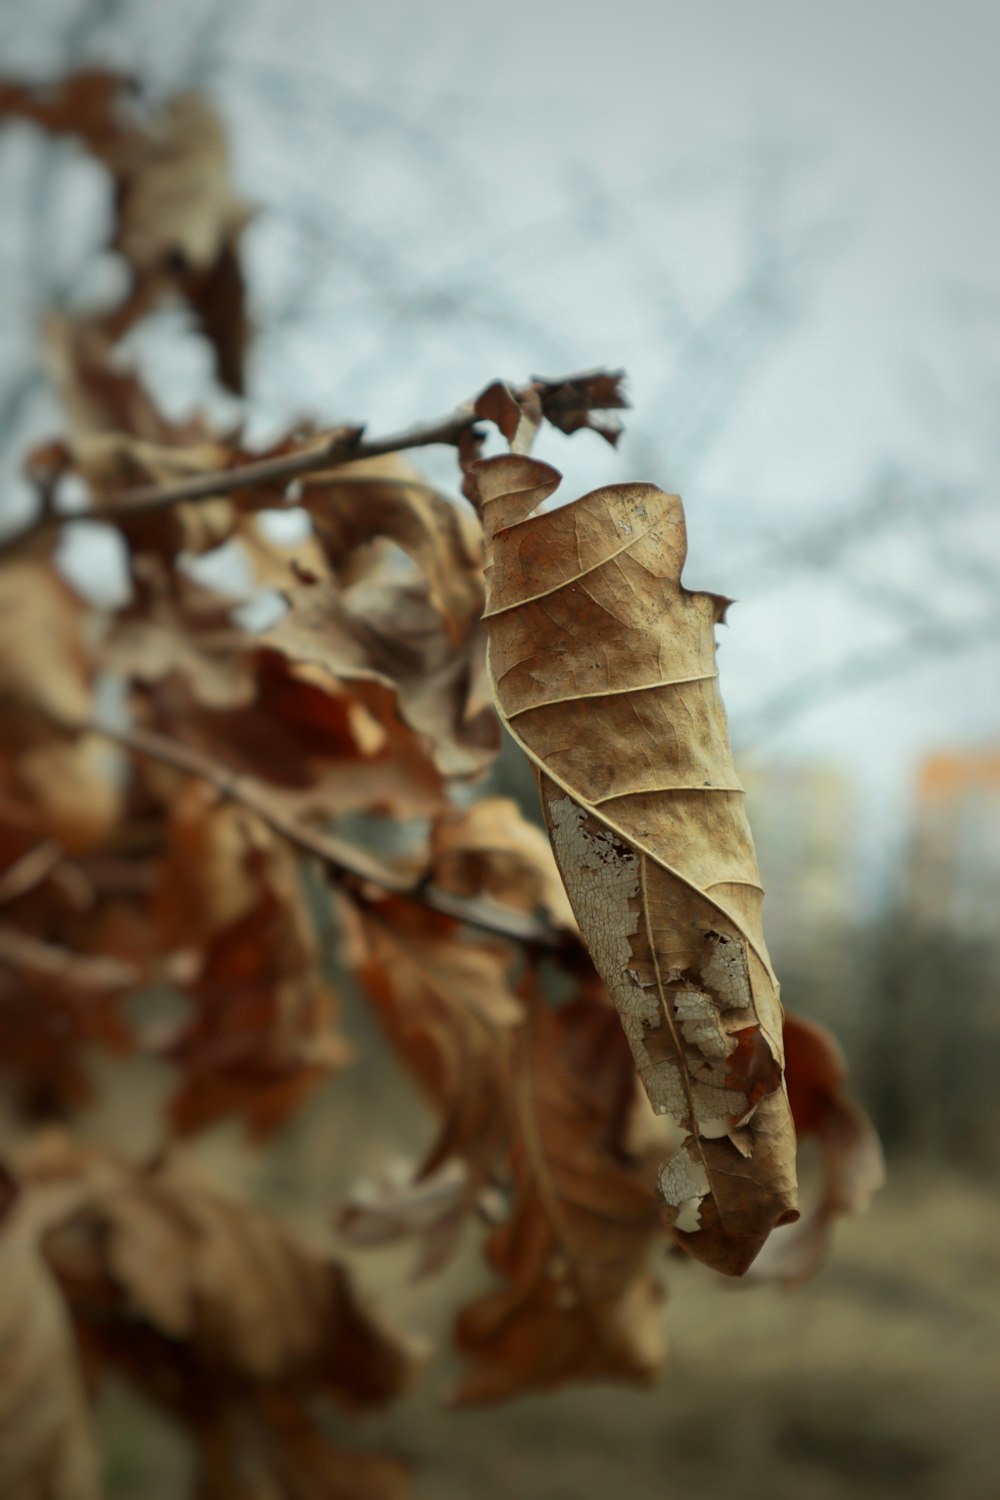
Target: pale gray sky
[{"x": 781, "y": 218}]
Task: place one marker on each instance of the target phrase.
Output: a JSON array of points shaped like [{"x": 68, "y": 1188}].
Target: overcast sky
[{"x": 781, "y": 218}]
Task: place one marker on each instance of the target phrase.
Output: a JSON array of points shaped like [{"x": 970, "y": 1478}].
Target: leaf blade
[{"x": 603, "y": 670}]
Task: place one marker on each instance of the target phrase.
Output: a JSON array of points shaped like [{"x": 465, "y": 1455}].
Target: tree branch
[
  {"x": 348, "y": 859},
  {"x": 342, "y": 446}
]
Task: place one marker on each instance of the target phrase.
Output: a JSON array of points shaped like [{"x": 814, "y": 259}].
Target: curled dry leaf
[
  {"x": 490, "y": 849},
  {"x": 283, "y": 1453},
  {"x": 68, "y": 788},
  {"x": 46, "y": 673},
  {"x": 853, "y": 1166},
  {"x": 263, "y": 1035},
  {"x": 518, "y": 416},
  {"x": 91, "y": 103},
  {"x": 187, "y": 631},
  {"x": 177, "y": 219},
  {"x": 603, "y": 669},
  {"x": 382, "y": 635},
  {"x": 57, "y": 782},
  {"x": 47, "y": 1448},
  {"x": 217, "y": 1314},
  {"x": 119, "y": 438},
  {"x": 56, "y": 1004},
  {"x": 403, "y": 1204},
  {"x": 100, "y": 396},
  {"x": 360, "y": 503},
  {"x": 581, "y": 1302},
  {"x": 177, "y": 201},
  {"x": 585, "y": 401},
  {"x": 448, "y": 1009},
  {"x": 316, "y": 747},
  {"x": 367, "y": 616}
]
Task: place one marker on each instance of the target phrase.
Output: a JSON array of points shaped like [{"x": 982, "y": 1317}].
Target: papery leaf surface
[{"x": 603, "y": 669}]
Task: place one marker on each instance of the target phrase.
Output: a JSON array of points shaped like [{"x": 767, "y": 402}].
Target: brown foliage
[
  {"x": 186, "y": 843},
  {"x": 603, "y": 666},
  {"x": 47, "y": 1448},
  {"x": 582, "y": 1302},
  {"x": 214, "y": 1311}
]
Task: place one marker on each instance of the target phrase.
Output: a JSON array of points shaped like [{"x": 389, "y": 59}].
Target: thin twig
[
  {"x": 351, "y": 861},
  {"x": 344, "y": 445}
]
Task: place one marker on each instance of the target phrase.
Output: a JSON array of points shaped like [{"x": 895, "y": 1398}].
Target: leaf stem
[{"x": 343, "y": 445}]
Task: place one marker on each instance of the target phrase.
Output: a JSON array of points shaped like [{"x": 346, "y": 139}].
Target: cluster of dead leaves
[
  {"x": 221, "y": 1317},
  {"x": 179, "y": 802}
]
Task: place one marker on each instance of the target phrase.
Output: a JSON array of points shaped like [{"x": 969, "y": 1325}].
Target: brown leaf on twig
[
  {"x": 584, "y": 401},
  {"x": 517, "y": 414},
  {"x": 217, "y": 1314},
  {"x": 490, "y": 849},
  {"x": 46, "y": 672},
  {"x": 263, "y": 1032},
  {"x": 581, "y": 1302},
  {"x": 382, "y": 636},
  {"x": 368, "y": 616},
  {"x": 119, "y": 438},
  {"x": 47, "y": 1448},
  {"x": 55, "y": 1005},
  {"x": 447, "y": 1008},
  {"x": 404, "y": 1204},
  {"x": 92, "y": 104},
  {"x": 603, "y": 666},
  {"x": 100, "y": 394},
  {"x": 177, "y": 219},
  {"x": 54, "y": 780},
  {"x": 386, "y": 498},
  {"x": 69, "y": 788},
  {"x": 318, "y": 747},
  {"x": 187, "y": 632}
]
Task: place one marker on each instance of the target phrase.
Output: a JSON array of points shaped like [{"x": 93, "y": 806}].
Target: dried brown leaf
[
  {"x": 263, "y": 1034},
  {"x": 383, "y": 632},
  {"x": 314, "y": 746},
  {"x": 603, "y": 667},
  {"x": 176, "y": 206},
  {"x": 92, "y": 104},
  {"x": 490, "y": 849},
  {"x": 47, "y": 1448},
  {"x": 280, "y": 1452},
  {"x": 189, "y": 632},
  {"x": 58, "y": 782},
  {"x": 46, "y": 674},
  {"x": 387, "y": 498},
  {"x": 55, "y": 1005},
  {"x": 581, "y": 1301},
  {"x": 853, "y": 1167},
  {"x": 448, "y": 1010},
  {"x": 177, "y": 220},
  {"x": 365, "y": 616},
  {"x": 217, "y": 1314},
  {"x": 518, "y": 415},
  {"x": 584, "y": 401},
  {"x": 119, "y": 439},
  {"x": 403, "y": 1204},
  {"x": 99, "y": 395}
]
